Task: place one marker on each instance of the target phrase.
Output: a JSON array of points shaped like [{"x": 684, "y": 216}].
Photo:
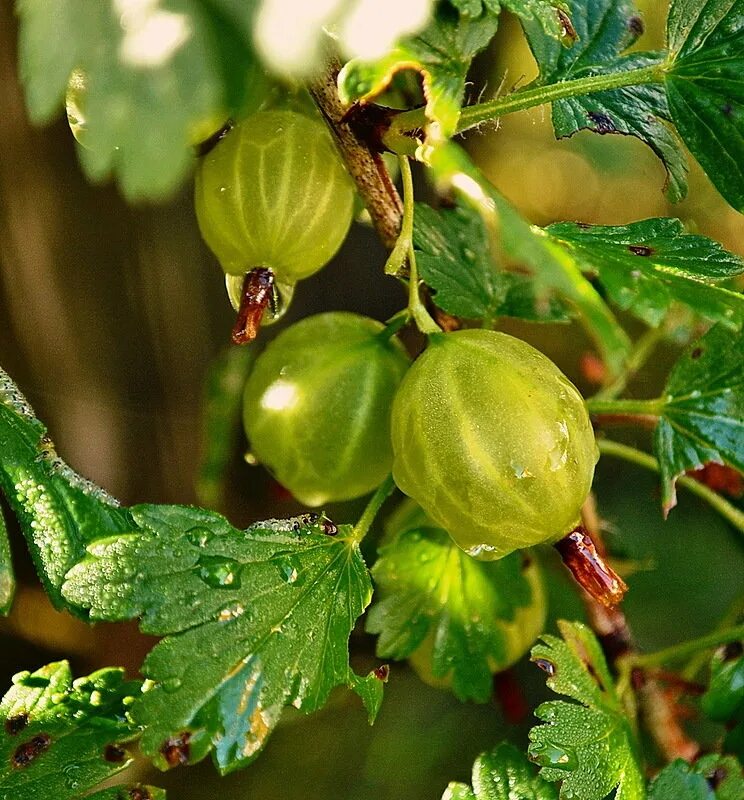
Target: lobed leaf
[
  {"x": 155, "y": 73},
  {"x": 704, "y": 88},
  {"x": 712, "y": 777},
  {"x": 554, "y": 267},
  {"x": 441, "y": 53},
  {"x": 605, "y": 29},
  {"x": 724, "y": 699},
  {"x": 454, "y": 258},
  {"x": 60, "y": 738},
  {"x": 253, "y": 621},
  {"x": 59, "y": 511},
  {"x": 502, "y": 774},
  {"x": 589, "y": 745},
  {"x": 648, "y": 265},
  {"x": 431, "y": 591},
  {"x": 702, "y": 410}
]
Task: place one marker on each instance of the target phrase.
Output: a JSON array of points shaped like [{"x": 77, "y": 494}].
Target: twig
[
  {"x": 657, "y": 710},
  {"x": 365, "y": 165}
]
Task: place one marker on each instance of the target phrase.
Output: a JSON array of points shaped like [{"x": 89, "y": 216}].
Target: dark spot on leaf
[
  {"x": 526, "y": 563},
  {"x": 545, "y": 665},
  {"x": 211, "y": 142},
  {"x": 640, "y": 249},
  {"x": 14, "y": 725},
  {"x": 329, "y": 528},
  {"x": 602, "y": 123},
  {"x": 595, "y": 676},
  {"x": 138, "y": 793},
  {"x": 717, "y": 777},
  {"x": 584, "y": 225},
  {"x": 568, "y": 32},
  {"x": 114, "y": 753},
  {"x": 637, "y": 678},
  {"x": 30, "y": 750},
  {"x": 727, "y": 109},
  {"x": 382, "y": 673},
  {"x": 733, "y": 650},
  {"x": 176, "y": 750},
  {"x": 696, "y": 353},
  {"x": 636, "y": 26}
]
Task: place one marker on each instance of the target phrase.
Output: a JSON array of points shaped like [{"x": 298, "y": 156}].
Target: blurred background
[{"x": 110, "y": 316}]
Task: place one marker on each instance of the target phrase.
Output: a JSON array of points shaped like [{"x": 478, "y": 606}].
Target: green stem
[
  {"x": 7, "y": 578},
  {"x": 630, "y": 408},
  {"x": 383, "y": 491},
  {"x": 680, "y": 651},
  {"x": 404, "y": 250},
  {"x": 720, "y": 504},
  {"x": 398, "y": 137},
  {"x": 698, "y": 661},
  {"x": 642, "y": 349}
]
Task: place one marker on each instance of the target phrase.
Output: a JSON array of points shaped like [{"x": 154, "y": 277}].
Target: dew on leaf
[
  {"x": 219, "y": 572},
  {"x": 198, "y": 536},
  {"x": 14, "y": 725},
  {"x": 554, "y": 756}
]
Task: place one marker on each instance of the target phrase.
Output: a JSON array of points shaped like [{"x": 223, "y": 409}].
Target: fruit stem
[
  {"x": 383, "y": 491},
  {"x": 589, "y": 568},
  {"x": 727, "y": 510},
  {"x": 257, "y": 295},
  {"x": 680, "y": 651},
  {"x": 404, "y": 250}
]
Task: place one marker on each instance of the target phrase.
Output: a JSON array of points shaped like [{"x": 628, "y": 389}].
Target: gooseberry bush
[{"x": 293, "y": 119}]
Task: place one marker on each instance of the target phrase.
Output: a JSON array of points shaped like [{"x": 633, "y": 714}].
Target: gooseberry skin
[
  {"x": 493, "y": 441},
  {"x": 317, "y": 406},
  {"x": 274, "y": 193}
]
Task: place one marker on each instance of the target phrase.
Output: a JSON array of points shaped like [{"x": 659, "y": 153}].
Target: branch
[
  {"x": 658, "y": 710},
  {"x": 364, "y": 163}
]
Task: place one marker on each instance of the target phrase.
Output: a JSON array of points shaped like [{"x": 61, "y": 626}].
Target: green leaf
[
  {"x": 254, "y": 620},
  {"x": 59, "y": 511},
  {"x": 550, "y": 15},
  {"x": 712, "y": 777},
  {"x": 705, "y": 90},
  {"x": 702, "y": 410},
  {"x": 605, "y": 29},
  {"x": 521, "y": 244},
  {"x": 223, "y": 404},
  {"x": 454, "y": 258},
  {"x": 431, "y": 592},
  {"x": 589, "y": 745},
  {"x": 60, "y": 738},
  {"x": 503, "y": 774},
  {"x": 648, "y": 265},
  {"x": 7, "y": 576},
  {"x": 441, "y": 54},
  {"x": 156, "y": 72},
  {"x": 724, "y": 699}
]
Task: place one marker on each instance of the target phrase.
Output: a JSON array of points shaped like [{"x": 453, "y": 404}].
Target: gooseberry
[
  {"x": 493, "y": 441},
  {"x": 317, "y": 406},
  {"x": 273, "y": 195}
]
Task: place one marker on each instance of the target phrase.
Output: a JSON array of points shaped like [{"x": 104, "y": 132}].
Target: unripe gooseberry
[
  {"x": 493, "y": 441},
  {"x": 274, "y": 193},
  {"x": 317, "y": 406}
]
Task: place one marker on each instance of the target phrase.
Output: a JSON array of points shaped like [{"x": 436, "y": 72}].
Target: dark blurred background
[{"x": 110, "y": 316}]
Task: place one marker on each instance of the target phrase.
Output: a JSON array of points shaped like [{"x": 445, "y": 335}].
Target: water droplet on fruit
[
  {"x": 219, "y": 572},
  {"x": 520, "y": 470}
]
